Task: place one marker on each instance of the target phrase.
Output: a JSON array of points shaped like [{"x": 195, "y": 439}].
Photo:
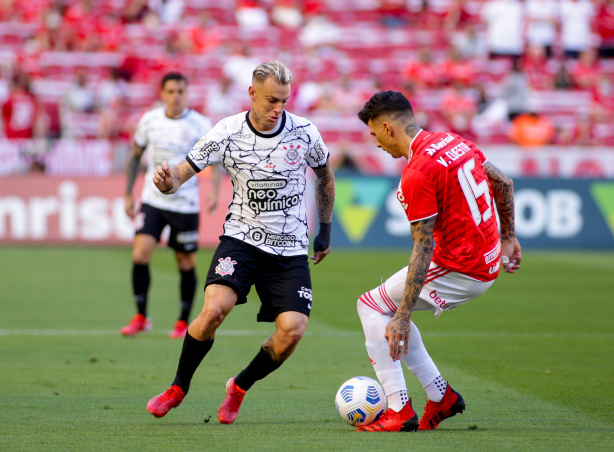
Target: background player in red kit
[
  {"x": 22, "y": 112},
  {"x": 451, "y": 195}
]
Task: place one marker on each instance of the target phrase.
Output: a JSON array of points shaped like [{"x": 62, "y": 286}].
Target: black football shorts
[
  {"x": 283, "y": 283},
  {"x": 184, "y": 227}
]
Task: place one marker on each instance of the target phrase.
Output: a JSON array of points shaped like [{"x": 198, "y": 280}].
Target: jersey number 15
[{"x": 472, "y": 191}]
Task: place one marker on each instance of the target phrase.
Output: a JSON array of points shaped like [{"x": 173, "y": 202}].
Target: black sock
[
  {"x": 192, "y": 354},
  {"x": 188, "y": 289},
  {"x": 140, "y": 286},
  {"x": 260, "y": 367}
]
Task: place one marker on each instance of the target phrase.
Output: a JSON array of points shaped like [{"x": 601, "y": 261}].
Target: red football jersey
[
  {"x": 19, "y": 115},
  {"x": 445, "y": 177}
]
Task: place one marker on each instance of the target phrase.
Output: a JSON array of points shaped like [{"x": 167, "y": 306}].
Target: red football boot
[
  {"x": 405, "y": 420},
  {"x": 162, "y": 404},
  {"x": 138, "y": 324},
  {"x": 179, "y": 330},
  {"x": 451, "y": 404},
  {"x": 228, "y": 411}
]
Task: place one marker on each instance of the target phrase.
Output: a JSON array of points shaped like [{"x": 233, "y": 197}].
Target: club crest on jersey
[
  {"x": 292, "y": 156},
  {"x": 225, "y": 266}
]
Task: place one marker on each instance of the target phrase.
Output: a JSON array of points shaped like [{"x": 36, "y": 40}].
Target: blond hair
[{"x": 280, "y": 73}]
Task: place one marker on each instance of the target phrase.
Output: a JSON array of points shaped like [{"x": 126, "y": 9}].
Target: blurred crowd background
[{"x": 531, "y": 73}]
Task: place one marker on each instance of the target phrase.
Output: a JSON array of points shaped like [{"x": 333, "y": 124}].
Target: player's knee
[
  {"x": 212, "y": 315},
  {"x": 185, "y": 267},
  {"x": 361, "y": 307},
  {"x": 186, "y": 261},
  {"x": 359, "y": 303},
  {"x": 140, "y": 258},
  {"x": 290, "y": 337},
  {"x": 293, "y": 337}
]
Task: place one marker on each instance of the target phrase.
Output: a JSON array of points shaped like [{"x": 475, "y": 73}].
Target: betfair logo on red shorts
[{"x": 438, "y": 300}]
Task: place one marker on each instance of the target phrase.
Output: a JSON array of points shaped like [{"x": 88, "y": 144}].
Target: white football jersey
[
  {"x": 268, "y": 176},
  {"x": 170, "y": 139}
]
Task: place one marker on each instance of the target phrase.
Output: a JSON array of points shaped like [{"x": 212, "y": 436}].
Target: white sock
[
  {"x": 397, "y": 400},
  {"x": 389, "y": 373},
  {"x": 436, "y": 389},
  {"x": 418, "y": 361}
]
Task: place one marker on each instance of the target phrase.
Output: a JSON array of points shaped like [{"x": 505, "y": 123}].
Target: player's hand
[
  {"x": 397, "y": 334},
  {"x": 129, "y": 206},
  {"x": 163, "y": 178},
  {"x": 511, "y": 255},
  {"x": 318, "y": 256}
]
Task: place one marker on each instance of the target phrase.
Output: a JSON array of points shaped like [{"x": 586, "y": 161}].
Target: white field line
[{"x": 447, "y": 334}]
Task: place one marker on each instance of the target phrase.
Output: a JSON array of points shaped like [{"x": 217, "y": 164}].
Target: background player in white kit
[
  {"x": 167, "y": 133},
  {"x": 449, "y": 193},
  {"x": 266, "y": 151}
]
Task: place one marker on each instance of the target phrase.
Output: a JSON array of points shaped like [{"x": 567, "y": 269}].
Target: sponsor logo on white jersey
[
  {"x": 241, "y": 135},
  {"x": 297, "y": 131}
]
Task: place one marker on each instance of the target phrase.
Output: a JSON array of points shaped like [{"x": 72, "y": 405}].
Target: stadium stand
[{"x": 350, "y": 48}]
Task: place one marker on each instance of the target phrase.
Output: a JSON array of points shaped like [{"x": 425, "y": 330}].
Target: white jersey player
[
  {"x": 268, "y": 175},
  {"x": 266, "y": 151},
  {"x": 166, "y": 139},
  {"x": 166, "y": 134}
]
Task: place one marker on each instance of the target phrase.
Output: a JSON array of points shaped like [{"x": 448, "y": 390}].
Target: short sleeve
[
  {"x": 208, "y": 150},
  {"x": 318, "y": 154},
  {"x": 417, "y": 195},
  {"x": 480, "y": 156},
  {"x": 140, "y": 135}
]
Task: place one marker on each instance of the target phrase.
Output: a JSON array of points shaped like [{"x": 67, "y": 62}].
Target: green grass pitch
[{"x": 533, "y": 358}]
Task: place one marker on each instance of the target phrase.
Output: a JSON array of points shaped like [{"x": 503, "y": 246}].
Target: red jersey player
[
  {"x": 451, "y": 195},
  {"x": 21, "y": 111}
]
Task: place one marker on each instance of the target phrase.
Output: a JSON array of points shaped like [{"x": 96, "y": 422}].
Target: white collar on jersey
[
  {"x": 411, "y": 151},
  {"x": 182, "y": 115}
]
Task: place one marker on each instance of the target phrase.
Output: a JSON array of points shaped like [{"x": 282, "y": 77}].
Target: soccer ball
[{"x": 360, "y": 401}]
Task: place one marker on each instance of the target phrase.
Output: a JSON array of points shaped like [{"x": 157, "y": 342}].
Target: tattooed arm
[
  {"x": 169, "y": 180},
  {"x": 503, "y": 189},
  {"x": 398, "y": 328},
  {"x": 325, "y": 199}
]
